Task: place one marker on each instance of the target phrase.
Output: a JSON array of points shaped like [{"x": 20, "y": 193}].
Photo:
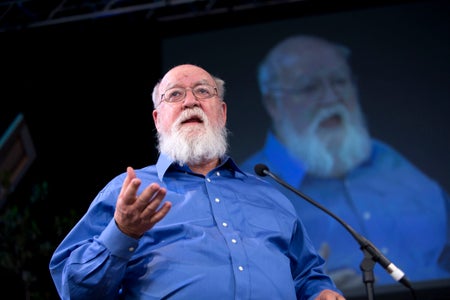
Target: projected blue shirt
[
  {"x": 229, "y": 235},
  {"x": 388, "y": 200}
]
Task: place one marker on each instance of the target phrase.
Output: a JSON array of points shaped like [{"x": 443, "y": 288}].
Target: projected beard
[
  {"x": 330, "y": 152},
  {"x": 195, "y": 143}
]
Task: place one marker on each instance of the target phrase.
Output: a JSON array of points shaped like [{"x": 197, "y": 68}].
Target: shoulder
[
  {"x": 396, "y": 167},
  {"x": 248, "y": 164},
  {"x": 148, "y": 173}
]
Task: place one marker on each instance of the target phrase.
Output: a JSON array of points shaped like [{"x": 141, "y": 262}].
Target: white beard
[
  {"x": 330, "y": 153},
  {"x": 196, "y": 143}
]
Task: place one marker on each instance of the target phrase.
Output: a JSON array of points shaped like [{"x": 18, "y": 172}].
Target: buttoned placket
[{"x": 233, "y": 241}]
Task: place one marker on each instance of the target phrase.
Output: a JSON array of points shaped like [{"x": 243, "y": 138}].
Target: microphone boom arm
[{"x": 365, "y": 245}]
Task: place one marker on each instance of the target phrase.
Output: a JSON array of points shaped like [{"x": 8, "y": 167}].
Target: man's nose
[
  {"x": 190, "y": 99},
  {"x": 330, "y": 92}
]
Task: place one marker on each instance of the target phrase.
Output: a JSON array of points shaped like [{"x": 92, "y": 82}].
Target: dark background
[
  {"x": 84, "y": 88},
  {"x": 400, "y": 56}
]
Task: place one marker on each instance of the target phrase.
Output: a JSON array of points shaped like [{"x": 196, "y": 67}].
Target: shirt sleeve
[
  {"x": 91, "y": 261},
  {"x": 444, "y": 257},
  {"x": 307, "y": 266}
]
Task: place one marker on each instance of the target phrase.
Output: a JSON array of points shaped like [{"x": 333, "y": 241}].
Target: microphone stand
[{"x": 371, "y": 254}]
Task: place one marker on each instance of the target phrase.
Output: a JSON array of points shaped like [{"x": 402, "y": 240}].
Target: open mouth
[
  {"x": 332, "y": 121},
  {"x": 193, "y": 119}
]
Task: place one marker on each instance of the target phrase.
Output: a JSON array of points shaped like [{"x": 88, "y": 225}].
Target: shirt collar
[{"x": 164, "y": 163}]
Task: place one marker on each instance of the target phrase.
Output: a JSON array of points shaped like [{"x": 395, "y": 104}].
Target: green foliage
[{"x": 28, "y": 237}]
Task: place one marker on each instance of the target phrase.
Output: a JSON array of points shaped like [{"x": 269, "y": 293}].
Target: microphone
[{"x": 365, "y": 245}]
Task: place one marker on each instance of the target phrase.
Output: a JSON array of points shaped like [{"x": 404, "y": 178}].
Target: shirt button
[
  {"x": 241, "y": 268},
  {"x": 224, "y": 224},
  {"x": 207, "y": 179},
  {"x": 131, "y": 249},
  {"x": 233, "y": 241},
  {"x": 218, "y": 173},
  {"x": 217, "y": 200},
  {"x": 366, "y": 215}
]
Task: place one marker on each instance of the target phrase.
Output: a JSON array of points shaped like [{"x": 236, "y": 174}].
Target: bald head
[
  {"x": 183, "y": 73},
  {"x": 297, "y": 56}
]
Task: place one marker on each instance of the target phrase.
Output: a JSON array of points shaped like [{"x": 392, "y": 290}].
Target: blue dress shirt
[
  {"x": 404, "y": 213},
  {"x": 228, "y": 235}
]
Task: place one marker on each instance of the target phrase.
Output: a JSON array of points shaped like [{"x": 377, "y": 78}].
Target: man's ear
[
  {"x": 224, "y": 112},
  {"x": 271, "y": 105},
  {"x": 155, "y": 118}
]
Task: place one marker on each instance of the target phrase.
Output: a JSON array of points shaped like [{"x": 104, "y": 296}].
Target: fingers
[
  {"x": 150, "y": 192},
  {"x": 159, "y": 214},
  {"x": 136, "y": 213},
  {"x": 126, "y": 194},
  {"x": 129, "y": 190},
  {"x": 329, "y": 295},
  {"x": 151, "y": 199}
]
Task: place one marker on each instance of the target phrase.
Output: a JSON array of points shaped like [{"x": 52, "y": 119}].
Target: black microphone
[{"x": 376, "y": 255}]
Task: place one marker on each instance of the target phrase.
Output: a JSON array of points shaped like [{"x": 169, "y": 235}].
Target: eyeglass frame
[
  {"x": 297, "y": 91},
  {"x": 163, "y": 99}
]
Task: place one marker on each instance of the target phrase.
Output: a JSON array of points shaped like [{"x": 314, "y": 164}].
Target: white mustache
[
  {"x": 325, "y": 113},
  {"x": 192, "y": 113}
]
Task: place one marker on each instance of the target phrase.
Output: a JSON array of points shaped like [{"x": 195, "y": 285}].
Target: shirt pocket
[{"x": 259, "y": 215}]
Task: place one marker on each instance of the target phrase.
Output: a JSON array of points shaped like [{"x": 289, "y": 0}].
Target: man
[
  {"x": 319, "y": 143},
  {"x": 193, "y": 226}
]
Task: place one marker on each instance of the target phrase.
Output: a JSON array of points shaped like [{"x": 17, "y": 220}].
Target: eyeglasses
[
  {"x": 315, "y": 88},
  {"x": 200, "y": 92}
]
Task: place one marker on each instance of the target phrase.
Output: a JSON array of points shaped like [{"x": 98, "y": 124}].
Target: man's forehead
[
  {"x": 308, "y": 70},
  {"x": 185, "y": 77}
]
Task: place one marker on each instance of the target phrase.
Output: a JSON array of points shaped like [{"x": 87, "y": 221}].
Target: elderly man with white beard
[
  {"x": 319, "y": 143},
  {"x": 193, "y": 225}
]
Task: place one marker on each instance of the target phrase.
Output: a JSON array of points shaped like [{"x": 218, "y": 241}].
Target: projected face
[{"x": 314, "y": 107}]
